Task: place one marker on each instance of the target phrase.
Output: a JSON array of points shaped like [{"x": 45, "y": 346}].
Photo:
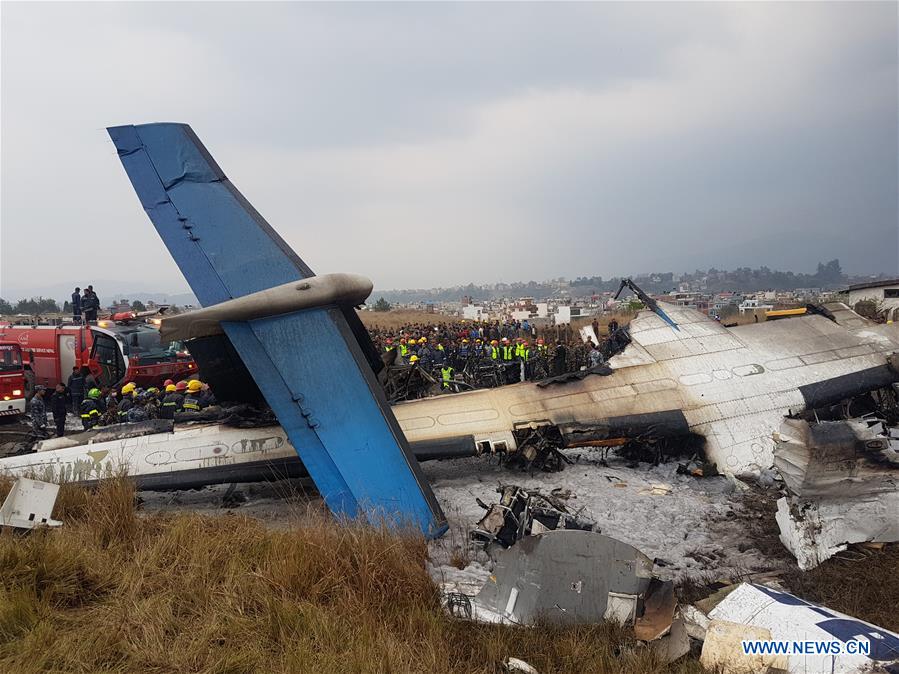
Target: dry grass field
[{"x": 116, "y": 590}]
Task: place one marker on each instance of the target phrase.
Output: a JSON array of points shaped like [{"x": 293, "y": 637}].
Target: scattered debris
[
  {"x": 522, "y": 513},
  {"x": 843, "y": 483},
  {"x": 698, "y": 467},
  {"x": 516, "y": 665},
  {"x": 29, "y": 504}
]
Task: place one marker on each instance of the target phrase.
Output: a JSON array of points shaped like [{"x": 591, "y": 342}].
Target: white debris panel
[
  {"x": 843, "y": 481},
  {"x": 761, "y": 610}
]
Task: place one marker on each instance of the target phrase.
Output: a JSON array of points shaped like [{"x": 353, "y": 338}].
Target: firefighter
[
  {"x": 171, "y": 403},
  {"x": 59, "y": 406},
  {"x": 446, "y": 375},
  {"x": 38, "y": 411},
  {"x": 127, "y": 401},
  {"x": 191, "y": 402},
  {"x": 89, "y": 410}
]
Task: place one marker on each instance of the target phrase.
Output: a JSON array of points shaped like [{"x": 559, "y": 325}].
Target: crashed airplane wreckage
[{"x": 274, "y": 333}]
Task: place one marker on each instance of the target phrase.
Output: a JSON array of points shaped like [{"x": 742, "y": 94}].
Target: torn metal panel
[
  {"x": 788, "y": 618},
  {"x": 835, "y": 459},
  {"x": 29, "y": 504},
  {"x": 564, "y": 576},
  {"x": 815, "y": 530}
]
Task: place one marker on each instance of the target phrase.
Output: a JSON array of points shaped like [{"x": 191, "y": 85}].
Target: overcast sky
[{"x": 440, "y": 144}]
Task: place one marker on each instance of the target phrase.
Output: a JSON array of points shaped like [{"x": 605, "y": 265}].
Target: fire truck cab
[{"x": 12, "y": 380}]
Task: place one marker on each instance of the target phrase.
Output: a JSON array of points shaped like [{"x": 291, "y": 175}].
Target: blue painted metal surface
[{"x": 307, "y": 364}]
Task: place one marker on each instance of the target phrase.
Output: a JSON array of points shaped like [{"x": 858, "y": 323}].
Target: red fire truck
[
  {"x": 115, "y": 351},
  {"x": 12, "y": 380}
]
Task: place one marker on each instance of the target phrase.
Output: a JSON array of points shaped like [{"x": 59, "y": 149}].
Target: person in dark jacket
[
  {"x": 76, "y": 306},
  {"x": 560, "y": 357},
  {"x": 77, "y": 388},
  {"x": 90, "y": 305},
  {"x": 59, "y": 408}
]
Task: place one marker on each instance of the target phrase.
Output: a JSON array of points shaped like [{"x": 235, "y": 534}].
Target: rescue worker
[
  {"x": 59, "y": 406},
  {"x": 507, "y": 350},
  {"x": 127, "y": 401},
  {"x": 38, "y": 411},
  {"x": 404, "y": 349},
  {"x": 446, "y": 375},
  {"x": 541, "y": 347},
  {"x": 613, "y": 327},
  {"x": 493, "y": 351},
  {"x": 171, "y": 403},
  {"x": 89, "y": 409},
  {"x": 191, "y": 402},
  {"x": 389, "y": 344},
  {"x": 594, "y": 356},
  {"x": 463, "y": 352},
  {"x": 413, "y": 360}
]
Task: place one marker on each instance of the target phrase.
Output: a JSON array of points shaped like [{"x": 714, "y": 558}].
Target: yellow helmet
[
  {"x": 423, "y": 340},
  {"x": 194, "y": 385},
  {"x": 170, "y": 388},
  {"x": 128, "y": 388},
  {"x": 413, "y": 359}
]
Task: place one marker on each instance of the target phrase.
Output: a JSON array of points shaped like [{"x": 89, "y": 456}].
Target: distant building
[{"x": 885, "y": 293}]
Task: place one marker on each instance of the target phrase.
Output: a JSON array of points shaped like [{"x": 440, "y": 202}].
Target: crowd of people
[
  {"x": 102, "y": 406},
  {"x": 467, "y": 350}
]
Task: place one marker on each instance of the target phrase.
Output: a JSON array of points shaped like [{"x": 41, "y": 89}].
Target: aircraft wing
[{"x": 309, "y": 365}]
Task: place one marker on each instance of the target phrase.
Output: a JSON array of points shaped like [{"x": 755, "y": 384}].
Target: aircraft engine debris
[
  {"x": 843, "y": 484},
  {"x": 29, "y": 504},
  {"x": 521, "y": 513}
]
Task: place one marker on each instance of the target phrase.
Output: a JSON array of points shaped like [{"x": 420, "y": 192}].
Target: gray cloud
[{"x": 437, "y": 144}]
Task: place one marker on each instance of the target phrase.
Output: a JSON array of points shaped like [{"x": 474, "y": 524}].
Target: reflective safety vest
[
  {"x": 525, "y": 353},
  {"x": 541, "y": 349},
  {"x": 508, "y": 352},
  {"x": 446, "y": 374},
  {"x": 494, "y": 352},
  {"x": 518, "y": 349},
  {"x": 404, "y": 350},
  {"x": 191, "y": 403}
]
